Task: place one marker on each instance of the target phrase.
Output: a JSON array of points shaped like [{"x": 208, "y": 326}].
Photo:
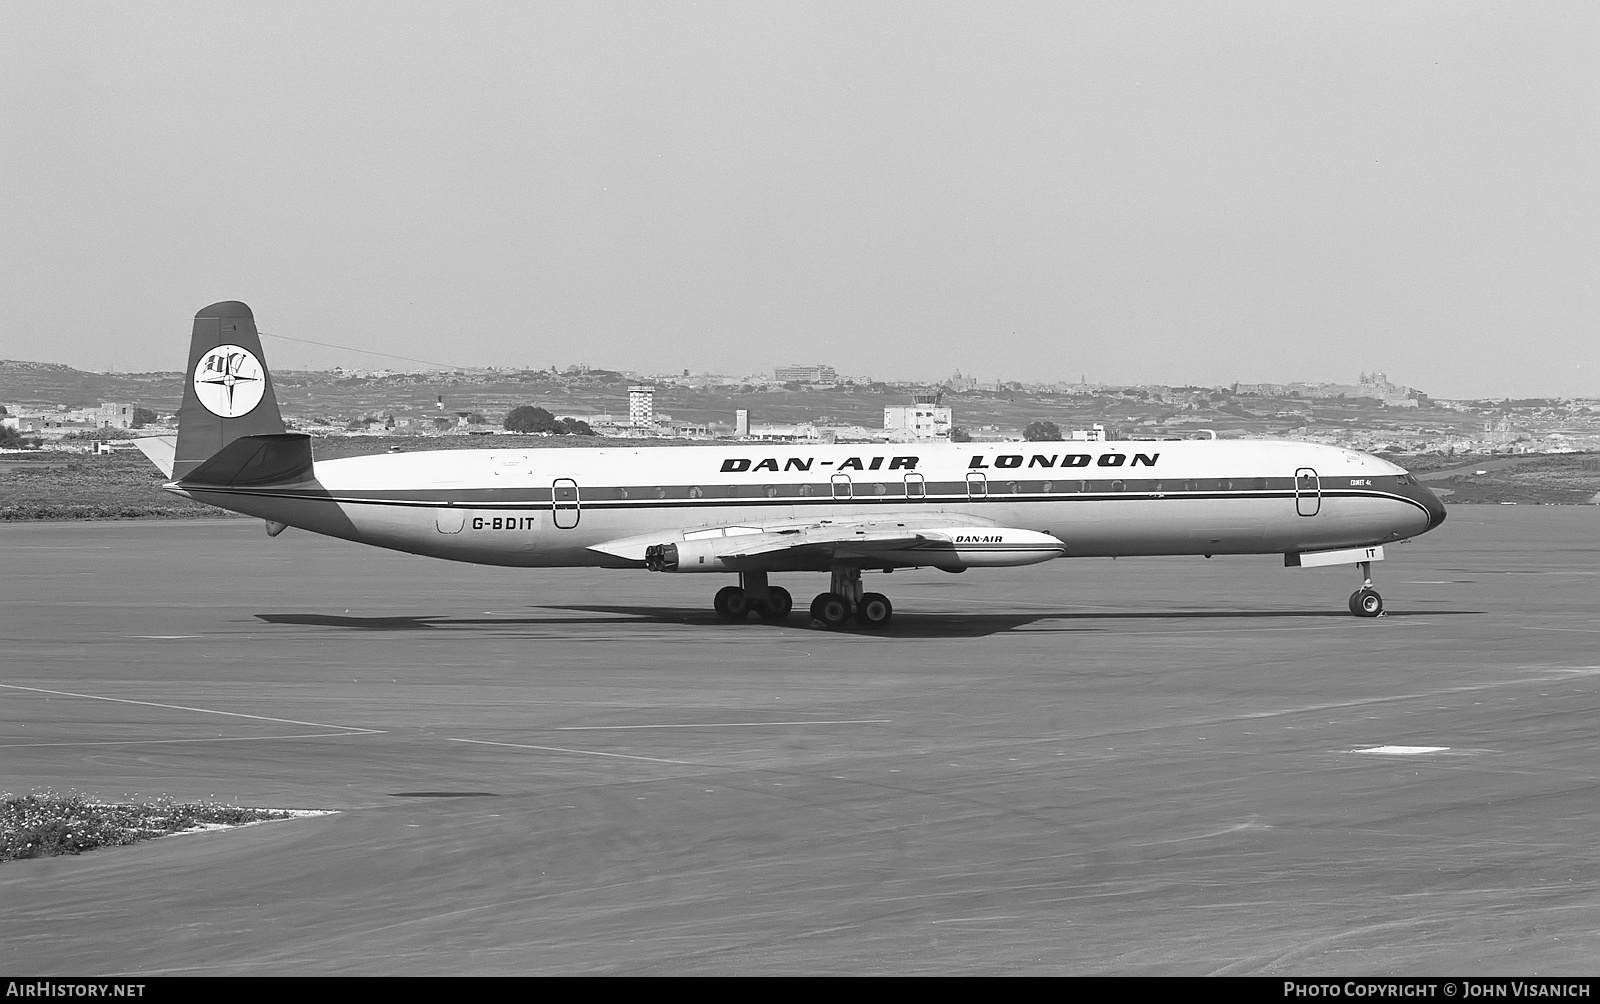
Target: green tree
[
  {"x": 575, "y": 427},
  {"x": 531, "y": 418},
  {"x": 1042, "y": 432},
  {"x": 959, "y": 435}
]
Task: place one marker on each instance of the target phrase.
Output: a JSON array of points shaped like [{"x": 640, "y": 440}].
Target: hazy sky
[{"x": 1162, "y": 193}]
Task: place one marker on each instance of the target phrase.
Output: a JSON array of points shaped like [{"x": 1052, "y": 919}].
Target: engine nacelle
[{"x": 958, "y": 548}]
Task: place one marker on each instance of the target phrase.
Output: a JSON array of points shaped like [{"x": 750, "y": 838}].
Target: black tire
[
  {"x": 830, "y": 610},
  {"x": 1366, "y": 603},
  {"x": 730, "y": 602},
  {"x": 778, "y": 605},
  {"x": 874, "y": 610}
]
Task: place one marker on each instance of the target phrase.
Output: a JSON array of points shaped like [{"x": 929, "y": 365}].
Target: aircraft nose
[
  {"x": 1435, "y": 508},
  {"x": 1430, "y": 502}
]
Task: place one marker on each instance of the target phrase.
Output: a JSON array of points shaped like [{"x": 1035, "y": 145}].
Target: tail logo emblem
[{"x": 229, "y": 381}]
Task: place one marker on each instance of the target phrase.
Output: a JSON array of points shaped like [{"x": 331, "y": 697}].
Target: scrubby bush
[{"x": 41, "y": 825}]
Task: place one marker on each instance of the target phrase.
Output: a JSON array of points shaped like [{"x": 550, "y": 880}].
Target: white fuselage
[{"x": 568, "y": 507}]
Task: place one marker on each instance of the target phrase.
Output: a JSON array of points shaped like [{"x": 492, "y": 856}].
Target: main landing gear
[
  {"x": 1365, "y": 602},
  {"x": 770, "y": 603},
  {"x": 843, "y": 601}
]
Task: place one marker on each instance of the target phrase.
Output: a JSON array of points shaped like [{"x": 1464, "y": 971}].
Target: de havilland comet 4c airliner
[{"x": 754, "y": 509}]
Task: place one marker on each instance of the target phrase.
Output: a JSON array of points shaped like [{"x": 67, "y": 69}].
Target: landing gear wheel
[
  {"x": 731, "y": 603},
  {"x": 830, "y": 609},
  {"x": 778, "y": 605},
  {"x": 1365, "y": 602},
  {"x": 874, "y": 610}
]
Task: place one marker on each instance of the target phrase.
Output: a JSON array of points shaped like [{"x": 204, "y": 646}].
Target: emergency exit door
[
  {"x": 1307, "y": 492},
  {"x": 564, "y": 504}
]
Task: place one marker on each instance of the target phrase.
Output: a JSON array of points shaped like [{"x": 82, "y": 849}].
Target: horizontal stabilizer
[
  {"x": 161, "y": 451},
  {"x": 254, "y": 461}
]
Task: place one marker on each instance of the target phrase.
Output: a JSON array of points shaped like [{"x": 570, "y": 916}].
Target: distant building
[
  {"x": 959, "y": 383},
  {"x": 797, "y": 431},
  {"x": 642, "y": 406},
  {"x": 741, "y": 422},
  {"x": 805, "y": 374},
  {"x": 924, "y": 418},
  {"x": 116, "y": 416}
]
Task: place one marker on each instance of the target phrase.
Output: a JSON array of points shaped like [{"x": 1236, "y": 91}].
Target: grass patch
[{"x": 42, "y": 825}]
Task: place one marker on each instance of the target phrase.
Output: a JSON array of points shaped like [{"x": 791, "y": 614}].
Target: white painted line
[
  {"x": 720, "y": 725},
  {"x": 1402, "y": 750},
  {"x": 162, "y": 637},
  {"x": 203, "y": 711},
  {"x": 557, "y": 749},
  {"x": 208, "y": 739}
]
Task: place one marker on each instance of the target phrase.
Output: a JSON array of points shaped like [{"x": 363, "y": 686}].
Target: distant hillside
[
  {"x": 322, "y": 398},
  {"x": 50, "y": 384}
]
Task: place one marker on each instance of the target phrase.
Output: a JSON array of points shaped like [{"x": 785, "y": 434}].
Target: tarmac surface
[{"x": 1087, "y": 766}]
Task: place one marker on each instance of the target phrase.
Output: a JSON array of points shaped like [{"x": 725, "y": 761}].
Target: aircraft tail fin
[{"x": 228, "y": 393}]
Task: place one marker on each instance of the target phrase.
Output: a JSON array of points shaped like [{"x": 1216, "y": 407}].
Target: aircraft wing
[
  {"x": 820, "y": 545},
  {"x": 828, "y": 545}
]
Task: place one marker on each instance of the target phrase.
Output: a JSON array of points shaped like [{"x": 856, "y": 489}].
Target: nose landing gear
[{"x": 1365, "y": 602}]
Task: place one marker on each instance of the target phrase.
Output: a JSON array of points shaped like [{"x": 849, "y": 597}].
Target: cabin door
[
  {"x": 564, "y": 506},
  {"x": 1307, "y": 492}
]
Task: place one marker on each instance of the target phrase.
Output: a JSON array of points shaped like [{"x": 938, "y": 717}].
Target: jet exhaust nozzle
[
  {"x": 688, "y": 556},
  {"x": 661, "y": 557}
]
